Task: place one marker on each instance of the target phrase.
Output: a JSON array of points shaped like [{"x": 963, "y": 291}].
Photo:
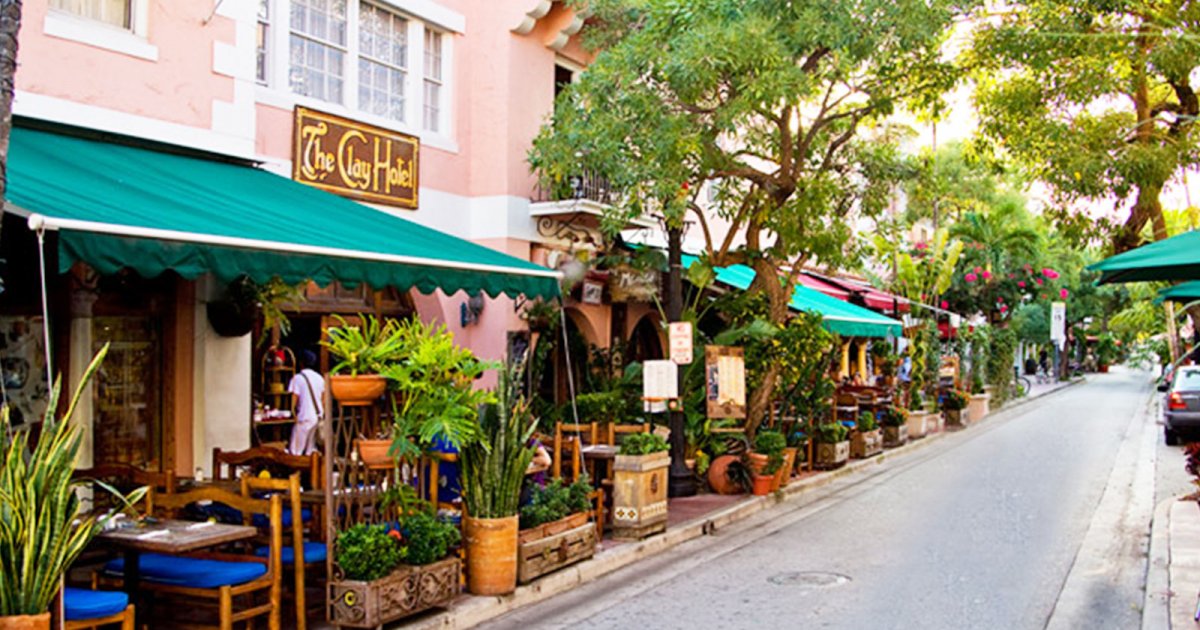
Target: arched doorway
[{"x": 645, "y": 343}]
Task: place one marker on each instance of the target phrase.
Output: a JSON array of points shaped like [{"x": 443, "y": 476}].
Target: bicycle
[{"x": 1019, "y": 386}]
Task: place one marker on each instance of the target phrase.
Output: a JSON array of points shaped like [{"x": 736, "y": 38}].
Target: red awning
[
  {"x": 832, "y": 290},
  {"x": 872, "y": 297}
]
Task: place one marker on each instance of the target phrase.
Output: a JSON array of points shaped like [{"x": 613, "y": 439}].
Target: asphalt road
[{"x": 979, "y": 530}]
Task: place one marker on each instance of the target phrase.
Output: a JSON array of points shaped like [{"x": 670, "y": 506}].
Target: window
[
  {"x": 264, "y": 26},
  {"x": 382, "y": 62},
  {"x": 114, "y": 12},
  {"x": 433, "y": 80},
  {"x": 563, "y": 76},
  {"x": 317, "y": 49}
]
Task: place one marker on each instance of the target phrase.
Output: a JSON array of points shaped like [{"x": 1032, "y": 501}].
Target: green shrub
[
  {"x": 894, "y": 417},
  {"x": 866, "y": 422},
  {"x": 367, "y": 552},
  {"x": 554, "y": 501},
  {"x": 643, "y": 444},
  {"x": 956, "y": 400},
  {"x": 831, "y": 433},
  {"x": 426, "y": 539}
]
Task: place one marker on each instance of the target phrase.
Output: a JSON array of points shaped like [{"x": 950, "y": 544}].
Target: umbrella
[
  {"x": 1186, "y": 292},
  {"x": 1176, "y": 258}
]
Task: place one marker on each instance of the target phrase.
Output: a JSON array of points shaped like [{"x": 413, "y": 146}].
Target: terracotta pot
[
  {"x": 357, "y": 391},
  {"x": 1103, "y": 368},
  {"x": 718, "y": 478},
  {"x": 374, "y": 453},
  {"x": 491, "y": 545},
  {"x": 777, "y": 479},
  {"x": 757, "y": 462},
  {"x": 762, "y": 484},
  {"x": 789, "y": 464},
  {"x": 26, "y": 622}
]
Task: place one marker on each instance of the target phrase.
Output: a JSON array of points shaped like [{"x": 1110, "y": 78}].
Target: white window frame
[
  {"x": 132, "y": 41},
  {"x": 406, "y": 71},
  {"x": 277, "y": 91},
  {"x": 349, "y": 51}
]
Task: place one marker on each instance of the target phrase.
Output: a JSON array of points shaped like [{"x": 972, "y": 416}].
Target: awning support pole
[{"x": 41, "y": 238}]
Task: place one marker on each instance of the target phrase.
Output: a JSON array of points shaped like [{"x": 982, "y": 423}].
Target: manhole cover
[{"x": 818, "y": 579}]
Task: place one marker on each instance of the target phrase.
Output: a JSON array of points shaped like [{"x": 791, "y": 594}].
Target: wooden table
[
  {"x": 176, "y": 537},
  {"x": 595, "y": 454}
]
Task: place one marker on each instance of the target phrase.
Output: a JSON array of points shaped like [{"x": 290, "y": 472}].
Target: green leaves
[{"x": 494, "y": 466}]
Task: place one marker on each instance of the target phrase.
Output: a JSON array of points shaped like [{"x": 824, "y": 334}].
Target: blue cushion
[
  {"x": 313, "y": 552},
  {"x": 261, "y": 520},
  {"x": 79, "y": 603},
  {"x": 190, "y": 572},
  {"x": 849, "y": 424}
]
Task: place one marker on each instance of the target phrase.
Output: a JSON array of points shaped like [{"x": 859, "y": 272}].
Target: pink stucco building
[{"x": 473, "y": 81}]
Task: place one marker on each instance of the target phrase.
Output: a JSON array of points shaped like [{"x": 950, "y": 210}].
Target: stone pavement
[{"x": 1173, "y": 579}]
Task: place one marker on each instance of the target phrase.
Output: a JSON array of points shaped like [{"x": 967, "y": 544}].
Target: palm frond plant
[{"x": 42, "y": 528}]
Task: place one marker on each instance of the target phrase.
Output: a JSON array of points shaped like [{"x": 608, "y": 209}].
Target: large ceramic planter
[
  {"x": 955, "y": 417},
  {"x": 491, "y": 545},
  {"x": 357, "y": 391},
  {"x": 934, "y": 422},
  {"x": 916, "y": 424},
  {"x": 553, "y": 551},
  {"x": 978, "y": 407},
  {"x": 789, "y": 464},
  {"x": 864, "y": 444},
  {"x": 640, "y": 494},
  {"x": 832, "y": 455},
  {"x": 26, "y": 622},
  {"x": 718, "y": 476},
  {"x": 403, "y": 592},
  {"x": 762, "y": 485},
  {"x": 757, "y": 462},
  {"x": 895, "y": 436}
]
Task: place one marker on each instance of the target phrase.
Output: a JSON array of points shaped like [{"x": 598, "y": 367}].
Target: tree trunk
[
  {"x": 10, "y": 26},
  {"x": 767, "y": 280}
]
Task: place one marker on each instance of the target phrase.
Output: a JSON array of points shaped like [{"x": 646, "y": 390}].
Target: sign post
[{"x": 680, "y": 337}]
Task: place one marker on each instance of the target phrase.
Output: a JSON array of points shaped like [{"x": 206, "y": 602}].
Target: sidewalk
[
  {"x": 1173, "y": 575},
  {"x": 690, "y": 518}
]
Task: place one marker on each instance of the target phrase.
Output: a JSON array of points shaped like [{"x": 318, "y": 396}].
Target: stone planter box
[
  {"x": 640, "y": 495},
  {"x": 403, "y": 592},
  {"x": 895, "y": 436},
  {"x": 920, "y": 423},
  {"x": 935, "y": 422},
  {"x": 955, "y": 417},
  {"x": 866, "y": 444},
  {"x": 978, "y": 407},
  {"x": 831, "y": 455},
  {"x": 552, "y": 552}
]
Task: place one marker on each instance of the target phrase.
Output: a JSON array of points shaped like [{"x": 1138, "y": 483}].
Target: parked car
[{"x": 1182, "y": 409}]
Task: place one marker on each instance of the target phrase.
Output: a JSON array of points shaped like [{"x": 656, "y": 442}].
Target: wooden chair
[
  {"x": 304, "y": 556},
  {"x": 101, "y": 604},
  {"x": 224, "y": 596},
  {"x": 234, "y": 464},
  {"x": 617, "y": 431},
  {"x": 123, "y": 477},
  {"x": 846, "y": 406},
  {"x": 570, "y": 439}
]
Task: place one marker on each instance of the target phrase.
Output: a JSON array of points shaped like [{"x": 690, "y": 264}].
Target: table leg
[{"x": 133, "y": 571}]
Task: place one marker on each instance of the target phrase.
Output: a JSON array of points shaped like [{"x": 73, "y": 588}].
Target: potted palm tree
[
  {"x": 42, "y": 529},
  {"x": 493, "y": 469}
]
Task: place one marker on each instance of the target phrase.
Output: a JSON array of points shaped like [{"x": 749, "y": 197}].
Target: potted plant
[
  {"x": 434, "y": 395},
  {"x": 640, "y": 486},
  {"x": 1106, "y": 352},
  {"x": 363, "y": 351},
  {"x": 833, "y": 445},
  {"x": 953, "y": 405},
  {"x": 978, "y": 406},
  {"x": 554, "y": 529},
  {"x": 42, "y": 528},
  {"x": 384, "y": 573},
  {"x": 772, "y": 445},
  {"x": 493, "y": 469},
  {"x": 895, "y": 426},
  {"x": 916, "y": 416},
  {"x": 867, "y": 439}
]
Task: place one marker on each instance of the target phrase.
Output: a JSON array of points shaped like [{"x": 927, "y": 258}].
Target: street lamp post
[{"x": 682, "y": 482}]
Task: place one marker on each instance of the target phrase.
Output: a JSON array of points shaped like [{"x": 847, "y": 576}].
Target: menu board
[
  {"x": 725, "y": 381},
  {"x": 660, "y": 380}
]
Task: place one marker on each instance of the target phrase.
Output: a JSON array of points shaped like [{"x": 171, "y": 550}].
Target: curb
[
  {"x": 474, "y": 610},
  {"x": 1156, "y": 609}
]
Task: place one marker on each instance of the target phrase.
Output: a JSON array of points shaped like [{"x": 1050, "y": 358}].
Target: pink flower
[
  {"x": 921, "y": 245},
  {"x": 1063, "y": 293},
  {"x": 1000, "y": 300},
  {"x": 1038, "y": 281},
  {"x": 1050, "y": 273},
  {"x": 1021, "y": 283},
  {"x": 946, "y": 304},
  {"x": 970, "y": 277},
  {"x": 1003, "y": 307},
  {"x": 987, "y": 275},
  {"x": 978, "y": 269}
]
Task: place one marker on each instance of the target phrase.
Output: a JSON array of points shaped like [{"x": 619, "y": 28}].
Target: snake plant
[
  {"x": 42, "y": 530},
  {"x": 494, "y": 466}
]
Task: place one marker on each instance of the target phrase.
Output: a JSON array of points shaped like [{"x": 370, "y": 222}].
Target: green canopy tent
[
  {"x": 1176, "y": 258},
  {"x": 1185, "y": 293},
  {"x": 116, "y": 206},
  {"x": 838, "y": 317}
]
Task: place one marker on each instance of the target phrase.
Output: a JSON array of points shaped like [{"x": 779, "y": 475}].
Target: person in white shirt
[{"x": 308, "y": 391}]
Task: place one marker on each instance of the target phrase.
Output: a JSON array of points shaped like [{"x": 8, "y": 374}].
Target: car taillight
[{"x": 1176, "y": 401}]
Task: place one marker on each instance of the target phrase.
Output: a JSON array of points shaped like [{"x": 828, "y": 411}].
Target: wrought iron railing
[{"x": 584, "y": 185}]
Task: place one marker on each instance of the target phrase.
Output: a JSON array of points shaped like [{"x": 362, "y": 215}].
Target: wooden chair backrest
[
  {"x": 125, "y": 478},
  {"x": 846, "y": 399},
  {"x": 291, "y": 486},
  {"x": 171, "y": 504},
  {"x": 620, "y": 430},
  {"x": 569, "y": 439},
  {"x": 233, "y": 464}
]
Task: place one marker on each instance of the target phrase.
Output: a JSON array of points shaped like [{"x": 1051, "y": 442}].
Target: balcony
[{"x": 576, "y": 204}]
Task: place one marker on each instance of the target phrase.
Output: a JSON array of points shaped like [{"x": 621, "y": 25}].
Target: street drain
[{"x": 816, "y": 579}]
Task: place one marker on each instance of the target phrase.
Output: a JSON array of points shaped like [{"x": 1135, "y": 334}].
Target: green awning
[
  {"x": 1176, "y": 258},
  {"x": 1186, "y": 292},
  {"x": 839, "y": 317},
  {"x": 117, "y": 206}
]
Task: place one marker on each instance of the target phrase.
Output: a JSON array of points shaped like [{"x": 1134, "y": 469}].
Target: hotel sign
[{"x": 354, "y": 159}]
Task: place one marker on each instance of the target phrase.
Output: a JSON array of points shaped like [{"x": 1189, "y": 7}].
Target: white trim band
[{"x": 40, "y": 221}]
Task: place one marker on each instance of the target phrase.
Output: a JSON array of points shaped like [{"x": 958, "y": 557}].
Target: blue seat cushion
[
  {"x": 261, "y": 520},
  {"x": 313, "y": 552},
  {"x": 80, "y": 603},
  {"x": 849, "y": 424},
  {"x": 190, "y": 572}
]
